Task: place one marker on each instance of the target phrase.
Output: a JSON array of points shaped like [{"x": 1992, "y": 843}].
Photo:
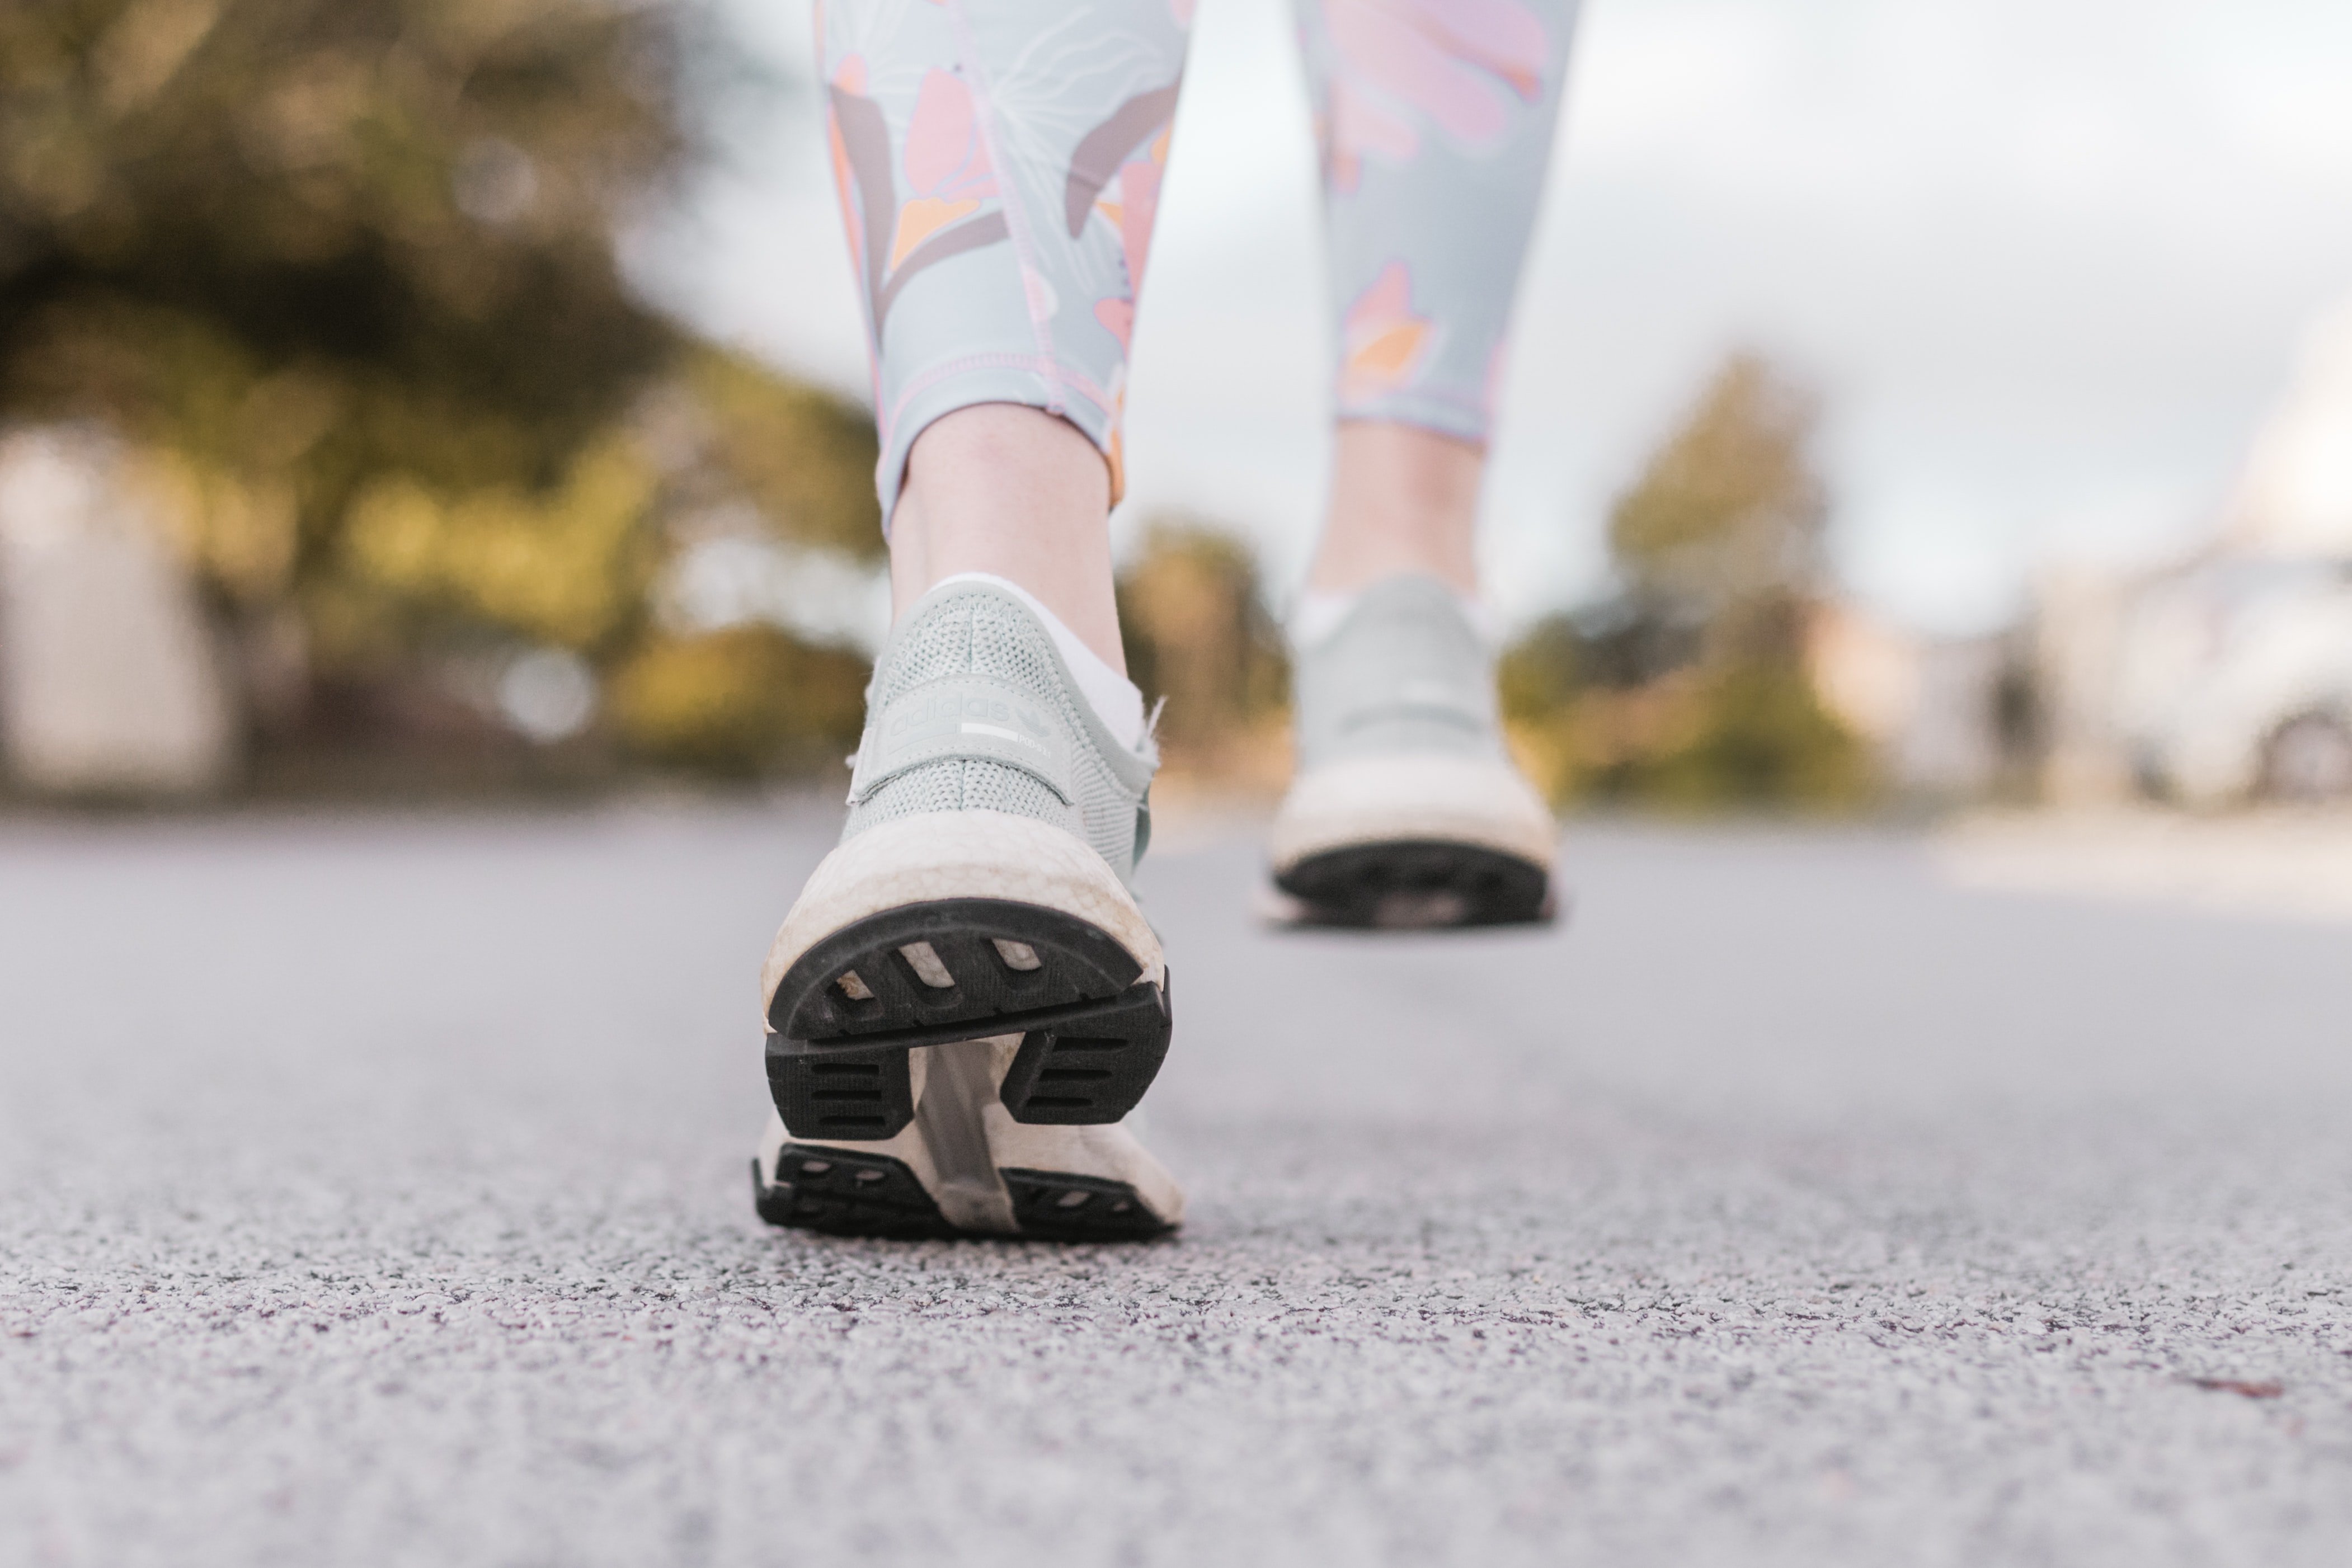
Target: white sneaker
[
  {"x": 1406, "y": 811},
  {"x": 965, "y": 997}
]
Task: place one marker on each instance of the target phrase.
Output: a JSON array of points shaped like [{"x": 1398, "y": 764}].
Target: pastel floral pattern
[
  {"x": 1000, "y": 166},
  {"x": 948, "y": 175},
  {"x": 945, "y": 162},
  {"x": 1115, "y": 175},
  {"x": 1001, "y": 163},
  {"x": 1435, "y": 119},
  {"x": 1384, "y": 342},
  {"x": 1403, "y": 65}
]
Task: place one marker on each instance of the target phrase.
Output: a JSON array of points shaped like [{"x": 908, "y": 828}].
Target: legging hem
[{"x": 1014, "y": 379}]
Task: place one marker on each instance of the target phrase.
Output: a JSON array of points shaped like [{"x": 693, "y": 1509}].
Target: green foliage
[
  {"x": 394, "y": 213},
  {"x": 1541, "y": 672},
  {"x": 567, "y": 566},
  {"x": 344, "y": 272},
  {"x": 1193, "y": 612},
  {"x": 738, "y": 702},
  {"x": 1690, "y": 689},
  {"x": 1728, "y": 515},
  {"x": 805, "y": 458},
  {"x": 1756, "y": 734}
]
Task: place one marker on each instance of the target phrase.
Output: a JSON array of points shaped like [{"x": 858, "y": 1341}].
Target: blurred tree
[
  {"x": 1690, "y": 687},
  {"x": 740, "y": 702},
  {"x": 1199, "y": 636},
  {"x": 1724, "y": 530},
  {"x": 368, "y": 234},
  {"x": 345, "y": 268}
]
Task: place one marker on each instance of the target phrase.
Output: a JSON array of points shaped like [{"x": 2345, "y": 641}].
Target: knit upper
[{"x": 971, "y": 707}]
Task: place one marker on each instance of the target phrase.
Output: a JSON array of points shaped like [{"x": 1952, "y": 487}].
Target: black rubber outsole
[
  {"x": 840, "y": 1192},
  {"x": 848, "y": 1010},
  {"x": 1061, "y": 1205},
  {"x": 1418, "y": 885}
]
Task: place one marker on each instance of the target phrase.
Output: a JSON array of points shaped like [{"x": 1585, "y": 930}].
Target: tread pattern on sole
[
  {"x": 1060, "y": 1205},
  {"x": 848, "y": 1011},
  {"x": 854, "y": 1094},
  {"x": 1072, "y": 960},
  {"x": 1094, "y": 1069},
  {"x": 1418, "y": 885},
  {"x": 842, "y": 1193}
]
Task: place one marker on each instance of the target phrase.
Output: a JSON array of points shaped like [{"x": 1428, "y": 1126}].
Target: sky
[{"x": 2046, "y": 262}]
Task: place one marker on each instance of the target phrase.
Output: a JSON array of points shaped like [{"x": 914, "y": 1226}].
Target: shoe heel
[
  {"x": 1089, "y": 1069},
  {"x": 840, "y": 1093}
]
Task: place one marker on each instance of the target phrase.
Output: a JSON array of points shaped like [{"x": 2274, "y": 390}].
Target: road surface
[{"x": 372, "y": 1191}]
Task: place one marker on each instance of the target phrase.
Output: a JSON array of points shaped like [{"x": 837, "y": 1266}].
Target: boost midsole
[
  {"x": 960, "y": 854},
  {"x": 1383, "y": 799}
]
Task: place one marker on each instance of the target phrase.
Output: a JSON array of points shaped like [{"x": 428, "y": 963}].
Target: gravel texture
[{"x": 372, "y": 1191}]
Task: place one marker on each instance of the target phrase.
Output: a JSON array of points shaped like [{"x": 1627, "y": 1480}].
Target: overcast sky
[{"x": 2046, "y": 261}]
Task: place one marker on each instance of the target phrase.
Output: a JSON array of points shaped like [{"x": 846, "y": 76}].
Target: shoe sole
[
  {"x": 835, "y": 1192},
  {"x": 1412, "y": 843},
  {"x": 844, "y": 1192},
  {"x": 1416, "y": 885},
  {"x": 858, "y": 978},
  {"x": 1093, "y": 1033}
]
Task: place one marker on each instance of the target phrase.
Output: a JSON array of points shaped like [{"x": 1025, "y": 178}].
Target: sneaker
[
  {"x": 1406, "y": 810},
  {"x": 965, "y": 999}
]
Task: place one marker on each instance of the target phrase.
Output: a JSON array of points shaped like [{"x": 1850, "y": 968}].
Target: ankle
[
  {"x": 1017, "y": 494},
  {"x": 1403, "y": 500}
]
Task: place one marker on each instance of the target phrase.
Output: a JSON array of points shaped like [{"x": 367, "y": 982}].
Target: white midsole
[
  {"x": 1381, "y": 800},
  {"x": 960, "y": 854}
]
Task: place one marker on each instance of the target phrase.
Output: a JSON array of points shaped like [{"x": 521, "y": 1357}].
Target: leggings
[{"x": 999, "y": 164}]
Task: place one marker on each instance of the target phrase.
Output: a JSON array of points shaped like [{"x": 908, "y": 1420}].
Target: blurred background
[{"x": 1913, "y": 406}]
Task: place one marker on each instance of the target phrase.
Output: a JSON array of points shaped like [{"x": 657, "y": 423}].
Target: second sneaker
[{"x": 1406, "y": 810}]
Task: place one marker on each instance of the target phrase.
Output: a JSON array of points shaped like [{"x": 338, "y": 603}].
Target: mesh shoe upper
[
  {"x": 1406, "y": 670},
  {"x": 971, "y": 709}
]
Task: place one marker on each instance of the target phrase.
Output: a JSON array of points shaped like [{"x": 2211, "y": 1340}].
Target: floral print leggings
[{"x": 999, "y": 164}]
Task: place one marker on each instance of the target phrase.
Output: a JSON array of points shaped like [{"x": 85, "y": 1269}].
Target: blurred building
[
  {"x": 2224, "y": 677},
  {"x": 1941, "y": 713},
  {"x": 110, "y": 680}
]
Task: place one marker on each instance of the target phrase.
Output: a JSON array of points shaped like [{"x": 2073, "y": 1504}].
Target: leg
[
  {"x": 1404, "y": 500},
  {"x": 965, "y": 999},
  {"x": 1001, "y": 489},
  {"x": 1436, "y": 120},
  {"x": 999, "y": 167}
]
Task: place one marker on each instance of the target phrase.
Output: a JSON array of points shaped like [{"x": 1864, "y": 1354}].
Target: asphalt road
[{"x": 373, "y": 1192}]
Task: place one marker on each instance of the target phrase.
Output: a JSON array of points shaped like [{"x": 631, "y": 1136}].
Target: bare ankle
[
  {"x": 1404, "y": 500},
  {"x": 1021, "y": 495}
]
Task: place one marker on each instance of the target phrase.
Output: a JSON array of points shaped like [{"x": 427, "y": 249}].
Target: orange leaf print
[
  {"x": 921, "y": 218},
  {"x": 1383, "y": 340}
]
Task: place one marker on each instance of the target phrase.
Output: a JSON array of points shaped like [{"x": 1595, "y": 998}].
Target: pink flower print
[
  {"x": 1117, "y": 317},
  {"x": 1383, "y": 342},
  {"x": 1138, "y": 204},
  {"x": 1131, "y": 204},
  {"x": 946, "y": 163},
  {"x": 1448, "y": 63},
  {"x": 943, "y": 156},
  {"x": 1114, "y": 177}
]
